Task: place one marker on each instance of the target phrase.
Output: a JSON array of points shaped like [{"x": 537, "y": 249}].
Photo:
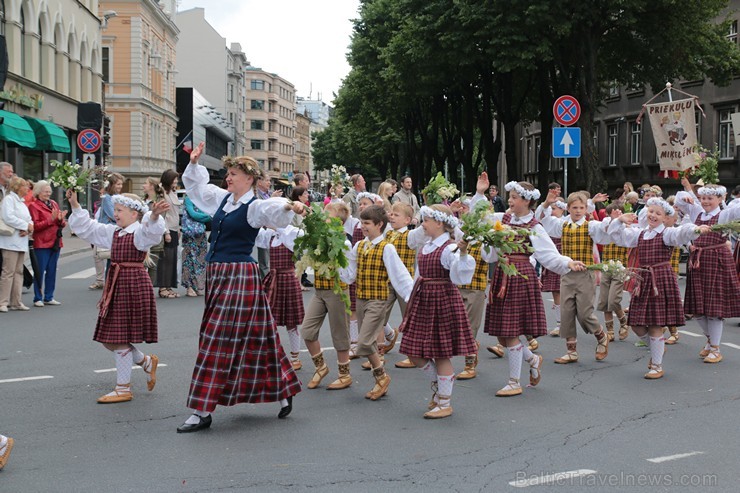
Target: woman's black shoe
[
  {"x": 201, "y": 425},
  {"x": 285, "y": 411}
]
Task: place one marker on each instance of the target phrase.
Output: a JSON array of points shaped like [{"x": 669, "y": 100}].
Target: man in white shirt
[{"x": 406, "y": 196}]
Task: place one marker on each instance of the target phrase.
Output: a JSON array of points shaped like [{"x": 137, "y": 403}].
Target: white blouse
[
  {"x": 696, "y": 211},
  {"x": 147, "y": 233},
  {"x": 674, "y": 236},
  {"x": 461, "y": 267},
  {"x": 283, "y": 236}
]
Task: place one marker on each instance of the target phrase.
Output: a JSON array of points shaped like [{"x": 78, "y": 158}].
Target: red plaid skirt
[
  {"x": 521, "y": 310},
  {"x": 551, "y": 281},
  {"x": 649, "y": 309},
  {"x": 713, "y": 289},
  {"x": 132, "y": 312},
  {"x": 283, "y": 289},
  {"x": 240, "y": 358}
]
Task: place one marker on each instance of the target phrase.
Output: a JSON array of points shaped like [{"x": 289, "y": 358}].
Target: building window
[
  {"x": 613, "y": 89},
  {"x": 231, "y": 93},
  {"x": 215, "y": 145},
  {"x": 2, "y": 17},
  {"x": 726, "y": 137},
  {"x": 613, "y": 132},
  {"x": 257, "y": 145},
  {"x": 23, "y": 43},
  {"x": 257, "y": 104},
  {"x": 732, "y": 34},
  {"x": 41, "y": 54},
  {"x": 257, "y": 125},
  {"x": 697, "y": 117},
  {"x": 257, "y": 85},
  {"x": 106, "y": 64},
  {"x": 635, "y": 142},
  {"x": 261, "y": 163}
]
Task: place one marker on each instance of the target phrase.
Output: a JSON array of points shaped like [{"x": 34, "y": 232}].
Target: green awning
[
  {"x": 49, "y": 137},
  {"x": 16, "y": 130}
]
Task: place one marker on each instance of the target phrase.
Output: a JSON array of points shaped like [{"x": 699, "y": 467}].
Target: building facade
[
  {"x": 54, "y": 63},
  {"x": 302, "y": 143},
  {"x": 198, "y": 122},
  {"x": 317, "y": 110},
  {"x": 138, "y": 70}
]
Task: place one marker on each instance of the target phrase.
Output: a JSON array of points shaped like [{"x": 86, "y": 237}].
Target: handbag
[
  {"x": 5, "y": 230},
  {"x": 191, "y": 227}
]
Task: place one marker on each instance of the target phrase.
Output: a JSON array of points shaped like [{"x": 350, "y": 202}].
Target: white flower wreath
[
  {"x": 373, "y": 197},
  {"x": 439, "y": 216},
  {"x": 561, "y": 205},
  {"x": 130, "y": 203},
  {"x": 527, "y": 194},
  {"x": 669, "y": 210},
  {"x": 719, "y": 191}
]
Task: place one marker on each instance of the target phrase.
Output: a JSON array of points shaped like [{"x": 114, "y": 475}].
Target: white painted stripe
[
  {"x": 692, "y": 334},
  {"x": 551, "y": 478},
  {"x": 729, "y": 344},
  {"x": 658, "y": 460},
  {"x": 26, "y": 379},
  {"x": 331, "y": 348},
  {"x": 83, "y": 274},
  {"x": 108, "y": 370}
]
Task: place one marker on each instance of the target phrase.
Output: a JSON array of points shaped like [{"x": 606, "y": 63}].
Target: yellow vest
[
  {"x": 614, "y": 252},
  {"x": 577, "y": 244},
  {"x": 401, "y": 242},
  {"x": 480, "y": 276},
  {"x": 320, "y": 282},
  {"x": 372, "y": 276},
  {"x": 675, "y": 257}
]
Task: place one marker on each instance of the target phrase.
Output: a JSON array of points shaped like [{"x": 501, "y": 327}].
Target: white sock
[
  {"x": 3, "y": 443},
  {"x": 445, "y": 388},
  {"x": 515, "y": 361},
  {"x": 388, "y": 331},
  {"x": 124, "y": 362},
  {"x": 704, "y": 324},
  {"x": 645, "y": 339},
  {"x": 527, "y": 354},
  {"x": 283, "y": 402},
  {"x": 657, "y": 346},
  {"x": 295, "y": 340},
  {"x": 354, "y": 332},
  {"x": 194, "y": 419},
  {"x": 714, "y": 327},
  {"x": 430, "y": 370},
  {"x": 137, "y": 355},
  {"x": 557, "y": 313}
]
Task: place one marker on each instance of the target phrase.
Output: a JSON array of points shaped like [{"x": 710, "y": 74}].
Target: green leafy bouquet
[
  {"x": 73, "y": 176},
  {"x": 731, "y": 228},
  {"x": 708, "y": 168},
  {"x": 439, "y": 190},
  {"x": 322, "y": 248}
]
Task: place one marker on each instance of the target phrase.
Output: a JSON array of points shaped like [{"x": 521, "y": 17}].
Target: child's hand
[
  {"x": 277, "y": 193},
  {"x": 159, "y": 208},
  {"x": 297, "y": 207},
  {"x": 552, "y": 197},
  {"x": 628, "y": 218},
  {"x": 72, "y": 198},
  {"x": 615, "y": 214},
  {"x": 686, "y": 184},
  {"x": 704, "y": 229},
  {"x": 456, "y": 206},
  {"x": 576, "y": 265},
  {"x": 483, "y": 184},
  {"x": 600, "y": 197},
  {"x": 689, "y": 199},
  {"x": 463, "y": 246},
  {"x": 196, "y": 153}
]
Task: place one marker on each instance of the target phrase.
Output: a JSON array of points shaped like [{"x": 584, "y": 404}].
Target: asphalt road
[{"x": 587, "y": 427}]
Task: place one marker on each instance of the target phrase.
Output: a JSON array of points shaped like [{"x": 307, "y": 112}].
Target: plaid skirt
[
  {"x": 713, "y": 289},
  {"x": 550, "y": 281},
  {"x": 132, "y": 313},
  {"x": 353, "y": 297},
  {"x": 436, "y": 324},
  {"x": 519, "y": 310},
  {"x": 285, "y": 297},
  {"x": 649, "y": 309},
  {"x": 240, "y": 358}
]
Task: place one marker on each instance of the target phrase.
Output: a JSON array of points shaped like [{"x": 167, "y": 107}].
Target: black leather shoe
[
  {"x": 285, "y": 411},
  {"x": 202, "y": 425},
  {"x": 305, "y": 282}
]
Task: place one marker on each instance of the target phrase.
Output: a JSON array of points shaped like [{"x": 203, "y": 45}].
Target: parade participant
[
  {"x": 373, "y": 262},
  {"x": 649, "y": 193},
  {"x": 326, "y": 302},
  {"x": 281, "y": 285},
  {"x": 474, "y": 299},
  {"x": 240, "y": 358},
  {"x": 515, "y": 307},
  {"x": 6, "y": 445},
  {"x": 712, "y": 285},
  {"x": 611, "y": 288},
  {"x": 657, "y": 301},
  {"x": 577, "y": 291},
  {"x": 671, "y": 221},
  {"x": 550, "y": 280},
  {"x": 128, "y": 311}
]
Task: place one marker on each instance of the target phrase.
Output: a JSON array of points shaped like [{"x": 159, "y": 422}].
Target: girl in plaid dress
[
  {"x": 657, "y": 300},
  {"x": 282, "y": 286},
  {"x": 128, "y": 312},
  {"x": 436, "y": 326},
  {"x": 712, "y": 285},
  {"x": 240, "y": 358}
]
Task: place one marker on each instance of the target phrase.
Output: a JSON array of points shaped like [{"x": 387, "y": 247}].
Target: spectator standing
[
  {"x": 113, "y": 185},
  {"x": 350, "y": 198},
  {"x": 49, "y": 221},
  {"x": 263, "y": 192},
  {"x": 406, "y": 196},
  {"x": 14, "y": 247},
  {"x": 385, "y": 191},
  {"x": 153, "y": 193},
  {"x": 496, "y": 201},
  {"x": 194, "y": 248},
  {"x": 167, "y": 265}
]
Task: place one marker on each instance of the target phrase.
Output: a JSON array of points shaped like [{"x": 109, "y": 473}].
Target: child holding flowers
[{"x": 128, "y": 312}]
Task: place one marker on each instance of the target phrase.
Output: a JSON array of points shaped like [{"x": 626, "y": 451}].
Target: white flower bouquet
[{"x": 74, "y": 176}]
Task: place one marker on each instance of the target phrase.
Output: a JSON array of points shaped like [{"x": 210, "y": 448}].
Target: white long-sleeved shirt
[
  {"x": 629, "y": 237},
  {"x": 267, "y": 238},
  {"x": 207, "y": 197},
  {"x": 554, "y": 226},
  {"x": 397, "y": 273},
  {"x": 461, "y": 267},
  {"x": 15, "y": 213},
  {"x": 147, "y": 233},
  {"x": 696, "y": 211}
]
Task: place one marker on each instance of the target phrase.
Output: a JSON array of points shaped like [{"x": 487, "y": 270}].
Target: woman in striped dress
[{"x": 240, "y": 358}]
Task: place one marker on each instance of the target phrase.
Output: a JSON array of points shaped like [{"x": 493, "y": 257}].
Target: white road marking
[
  {"x": 729, "y": 344},
  {"x": 658, "y": 460},
  {"x": 323, "y": 349},
  {"x": 83, "y": 274},
  {"x": 26, "y": 379},
  {"x": 551, "y": 478},
  {"x": 692, "y": 334},
  {"x": 108, "y": 370}
]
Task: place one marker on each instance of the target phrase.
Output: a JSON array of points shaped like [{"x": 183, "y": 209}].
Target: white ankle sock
[
  {"x": 657, "y": 346},
  {"x": 714, "y": 327},
  {"x": 124, "y": 362},
  {"x": 515, "y": 361},
  {"x": 295, "y": 340},
  {"x": 445, "y": 383},
  {"x": 137, "y": 355},
  {"x": 353, "y": 331},
  {"x": 283, "y": 402},
  {"x": 3, "y": 443},
  {"x": 430, "y": 370},
  {"x": 388, "y": 330},
  {"x": 194, "y": 419}
]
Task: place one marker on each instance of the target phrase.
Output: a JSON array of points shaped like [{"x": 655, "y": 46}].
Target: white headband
[
  {"x": 373, "y": 197},
  {"x": 439, "y": 216},
  {"x": 130, "y": 203},
  {"x": 527, "y": 194},
  {"x": 718, "y": 191},
  {"x": 561, "y": 205},
  {"x": 669, "y": 210}
]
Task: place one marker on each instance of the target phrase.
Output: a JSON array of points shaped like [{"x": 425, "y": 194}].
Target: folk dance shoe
[
  {"x": 150, "y": 370},
  {"x": 442, "y": 410},
  {"x": 382, "y": 382},
  {"x": 497, "y": 350},
  {"x": 344, "y": 380},
  {"x": 673, "y": 338},
  {"x": 555, "y": 332},
  {"x": 353, "y": 350},
  {"x": 714, "y": 355},
  {"x": 707, "y": 348},
  {"x": 406, "y": 363},
  {"x": 571, "y": 355},
  {"x": 532, "y": 343},
  {"x": 610, "y": 329},
  {"x": 122, "y": 393},
  {"x": 297, "y": 365},
  {"x": 6, "y": 451},
  {"x": 535, "y": 369},
  {"x": 654, "y": 371},
  {"x": 321, "y": 371},
  {"x": 512, "y": 388},
  {"x": 390, "y": 343},
  {"x": 435, "y": 397},
  {"x": 469, "y": 372},
  {"x": 602, "y": 345},
  {"x": 286, "y": 410},
  {"x": 624, "y": 329},
  {"x": 201, "y": 424}
]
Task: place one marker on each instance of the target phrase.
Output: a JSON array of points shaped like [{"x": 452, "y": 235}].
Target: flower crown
[
  {"x": 561, "y": 205},
  {"x": 718, "y": 190},
  {"x": 669, "y": 210},
  {"x": 130, "y": 203},
  {"x": 240, "y": 163},
  {"x": 524, "y": 193},
  {"x": 373, "y": 197},
  {"x": 428, "y": 212}
]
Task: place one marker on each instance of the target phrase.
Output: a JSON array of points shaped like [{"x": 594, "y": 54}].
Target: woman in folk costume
[
  {"x": 240, "y": 358},
  {"x": 281, "y": 285},
  {"x": 515, "y": 307},
  {"x": 657, "y": 300},
  {"x": 128, "y": 312},
  {"x": 436, "y": 327},
  {"x": 712, "y": 285}
]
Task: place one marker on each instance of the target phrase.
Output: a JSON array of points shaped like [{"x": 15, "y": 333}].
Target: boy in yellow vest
[{"x": 373, "y": 263}]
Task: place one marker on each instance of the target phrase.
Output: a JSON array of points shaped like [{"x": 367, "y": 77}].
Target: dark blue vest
[{"x": 232, "y": 238}]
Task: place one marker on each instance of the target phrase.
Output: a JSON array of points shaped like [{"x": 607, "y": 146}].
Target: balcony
[
  {"x": 273, "y": 135},
  {"x": 273, "y": 155},
  {"x": 272, "y": 116},
  {"x": 272, "y": 97}
]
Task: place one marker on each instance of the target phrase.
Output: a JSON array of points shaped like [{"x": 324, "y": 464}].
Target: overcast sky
[{"x": 303, "y": 41}]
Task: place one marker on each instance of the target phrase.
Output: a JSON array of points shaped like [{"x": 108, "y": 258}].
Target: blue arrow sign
[{"x": 566, "y": 142}]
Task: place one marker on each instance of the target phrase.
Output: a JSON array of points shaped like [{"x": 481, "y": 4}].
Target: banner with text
[{"x": 674, "y": 130}]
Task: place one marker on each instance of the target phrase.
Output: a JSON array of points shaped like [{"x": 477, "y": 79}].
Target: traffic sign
[
  {"x": 566, "y": 110},
  {"x": 566, "y": 142},
  {"x": 88, "y": 161},
  {"x": 89, "y": 140}
]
